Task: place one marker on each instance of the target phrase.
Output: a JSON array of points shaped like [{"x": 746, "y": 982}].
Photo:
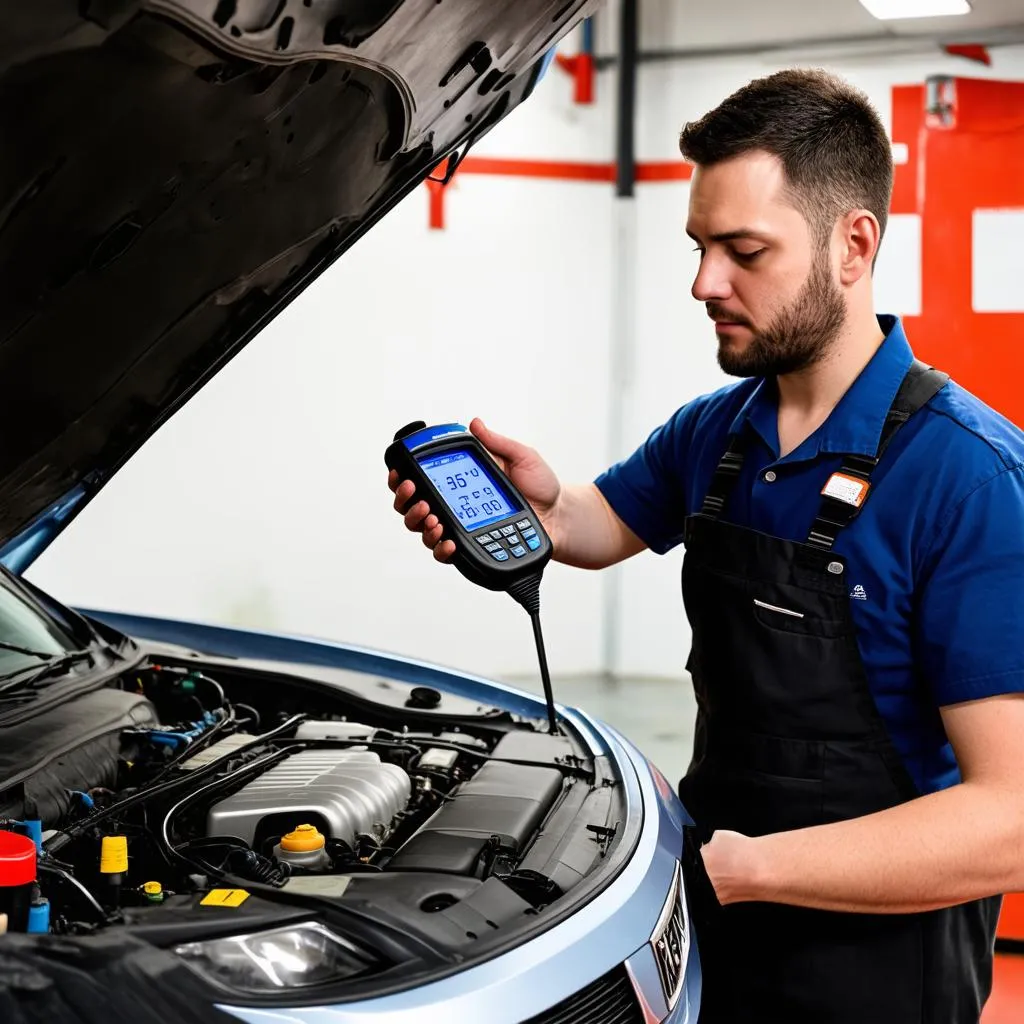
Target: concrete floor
[{"x": 655, "y": 714}]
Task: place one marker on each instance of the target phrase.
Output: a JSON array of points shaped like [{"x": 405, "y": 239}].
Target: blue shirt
[{"x": 935, "y": 558}]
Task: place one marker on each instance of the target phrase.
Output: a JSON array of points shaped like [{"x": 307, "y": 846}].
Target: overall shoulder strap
[
  {"x": 727, "y": 472},
  {"x": 846, "y": 491}
]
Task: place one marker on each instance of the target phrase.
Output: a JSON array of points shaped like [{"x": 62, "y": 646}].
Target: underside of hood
[{"x": 174, "y": 172}]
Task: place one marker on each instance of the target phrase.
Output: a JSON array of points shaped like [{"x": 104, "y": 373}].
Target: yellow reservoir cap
[
  {"x": 305, "y": 839},
  {"x": 114, "y": 855},
  {"x": 152, "y": 888}
]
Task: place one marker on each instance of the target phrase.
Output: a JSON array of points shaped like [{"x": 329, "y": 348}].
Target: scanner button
[
  {"x": 523, "y": 524},
  {"x": 501, "y": 555},
  {"x": 531, "y": 532},
  {"x": 484, "y": 539},
  {"x": 496, "y": 534},
  {"x": 533, "y": 543},
  {"x": 507, "y": 531},
  {"x": 494, "y": 547},
  {"x": 518, "y": 552},
  {"x": 513, "y": 539}
]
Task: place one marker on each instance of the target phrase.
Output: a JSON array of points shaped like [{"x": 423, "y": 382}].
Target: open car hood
[{"x": 174, "y": 172}]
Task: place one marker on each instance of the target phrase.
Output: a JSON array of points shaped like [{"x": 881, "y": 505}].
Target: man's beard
[{"x": 797, "y": 337}]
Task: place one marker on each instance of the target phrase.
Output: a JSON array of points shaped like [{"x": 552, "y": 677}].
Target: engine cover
[{"x": 349, "y": 791}]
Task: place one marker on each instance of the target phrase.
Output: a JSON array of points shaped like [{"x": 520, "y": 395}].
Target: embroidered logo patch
[
  {"x": 859, "y": 593},
  {"x": 847, "y": 489}
]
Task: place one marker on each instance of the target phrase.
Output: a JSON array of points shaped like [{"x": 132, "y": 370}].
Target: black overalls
[{"x": 788, "y": 736}]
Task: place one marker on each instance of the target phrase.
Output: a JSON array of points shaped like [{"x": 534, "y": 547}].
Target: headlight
[{"x": 294, "y": 957}]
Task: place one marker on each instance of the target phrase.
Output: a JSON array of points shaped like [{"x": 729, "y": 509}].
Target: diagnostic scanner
[{"x": 500, "y": 542}]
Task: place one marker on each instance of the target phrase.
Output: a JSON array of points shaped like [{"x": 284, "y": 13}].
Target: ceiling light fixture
[{"x": 891, "y": 10}]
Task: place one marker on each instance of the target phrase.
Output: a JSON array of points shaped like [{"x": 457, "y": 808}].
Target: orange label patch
[{"x": 848, "y": 489}]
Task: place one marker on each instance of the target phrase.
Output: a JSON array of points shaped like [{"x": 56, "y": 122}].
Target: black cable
[
  {"x": 527, "y": 592},
  {"x": 202, "y": 677},
  {"x": 42, "y": 865},
  {"x": 545, "y": 676},
  {"x": 255, "y": 715}
]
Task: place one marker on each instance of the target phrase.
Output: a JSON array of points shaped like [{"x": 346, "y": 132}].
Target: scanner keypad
[{"x": 498, "y": 543}]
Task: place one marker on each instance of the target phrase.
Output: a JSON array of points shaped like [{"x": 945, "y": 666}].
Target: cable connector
[{"x": 527, "y": 592}]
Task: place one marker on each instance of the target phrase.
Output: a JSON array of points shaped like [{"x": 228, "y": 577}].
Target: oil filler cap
[{"x": 304, "y": 839}]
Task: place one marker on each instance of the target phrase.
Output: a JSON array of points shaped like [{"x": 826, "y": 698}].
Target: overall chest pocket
[{"x": 785, "y": 609}]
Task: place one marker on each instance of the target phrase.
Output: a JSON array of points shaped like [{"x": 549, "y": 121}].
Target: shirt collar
[{"x": 855, "y": 424}]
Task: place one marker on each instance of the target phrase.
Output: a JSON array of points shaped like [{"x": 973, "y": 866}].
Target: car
[{"x": 200, "y": 823}]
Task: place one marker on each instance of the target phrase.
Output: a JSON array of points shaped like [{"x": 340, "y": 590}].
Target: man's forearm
[
  {"x": 960, "y": 844},
  {"x": 589, "y": 535}
]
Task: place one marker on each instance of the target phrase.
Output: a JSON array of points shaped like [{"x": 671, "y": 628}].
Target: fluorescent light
[{"x": 890, "y": 10}]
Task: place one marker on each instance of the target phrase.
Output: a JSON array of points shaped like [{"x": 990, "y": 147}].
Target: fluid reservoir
[
  {"x": 305, "y": 847},
  {"x": 17, "y": 878}
]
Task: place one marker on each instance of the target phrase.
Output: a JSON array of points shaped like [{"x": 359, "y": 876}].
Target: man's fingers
[
  {"x": 444, "y": 550},
  {"x": 416, "y": 515},
  {"x": 402, "y": 495},
  {"x": 419, "y": 519}
]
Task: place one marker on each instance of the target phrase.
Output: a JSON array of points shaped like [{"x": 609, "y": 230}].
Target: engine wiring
[{"x": 148, "y": 838}]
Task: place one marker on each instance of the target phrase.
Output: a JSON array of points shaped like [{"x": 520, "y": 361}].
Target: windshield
[{"x": 23, "y": 626}]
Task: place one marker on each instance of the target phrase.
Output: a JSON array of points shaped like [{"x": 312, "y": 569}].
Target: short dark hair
[{"x": 832, "y": 144}]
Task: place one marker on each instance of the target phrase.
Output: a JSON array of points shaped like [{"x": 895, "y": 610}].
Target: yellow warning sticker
[{"x": 224, "y": 898}]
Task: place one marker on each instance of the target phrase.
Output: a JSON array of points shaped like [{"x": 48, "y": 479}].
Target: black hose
[{"x": 259, "y": 765}]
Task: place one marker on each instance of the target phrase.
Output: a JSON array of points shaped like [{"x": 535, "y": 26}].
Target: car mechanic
[{"x": 853, "y": 526}]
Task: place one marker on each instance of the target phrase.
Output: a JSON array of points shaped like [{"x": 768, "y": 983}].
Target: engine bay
[{"x": 182, "y": 803}]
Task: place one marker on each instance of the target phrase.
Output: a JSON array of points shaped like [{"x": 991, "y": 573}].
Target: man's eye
[{"x": 747, "y": 257}]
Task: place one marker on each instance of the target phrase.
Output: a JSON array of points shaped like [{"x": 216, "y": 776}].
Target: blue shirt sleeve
[
  {"x": 971, "y": 602},
  {"x": 647, "y": 490}
]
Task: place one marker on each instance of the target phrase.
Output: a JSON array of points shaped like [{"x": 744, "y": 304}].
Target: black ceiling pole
[{"x": 625, "y": 155}]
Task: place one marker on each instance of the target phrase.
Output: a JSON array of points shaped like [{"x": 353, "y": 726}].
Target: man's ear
[{"x": 859, "y": 238}]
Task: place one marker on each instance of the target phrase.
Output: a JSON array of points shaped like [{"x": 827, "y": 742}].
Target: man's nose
[{"x": 712, "y": 281}]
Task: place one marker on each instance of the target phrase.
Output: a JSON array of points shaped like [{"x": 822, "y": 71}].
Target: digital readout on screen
[{"x": 467, "y": 488}]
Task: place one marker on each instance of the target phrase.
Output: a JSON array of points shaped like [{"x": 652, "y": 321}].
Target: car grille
[
  {"x": 669, "y": 942},
  {"x": 609, "y": 1000}
]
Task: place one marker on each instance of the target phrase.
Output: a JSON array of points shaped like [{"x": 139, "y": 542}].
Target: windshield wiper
[
  {"x": 54, "y": 664},
  {"x": 26, "y": 650}
]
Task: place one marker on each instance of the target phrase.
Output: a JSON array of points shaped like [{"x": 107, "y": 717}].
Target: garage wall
[{"x": 263, "y": 502}]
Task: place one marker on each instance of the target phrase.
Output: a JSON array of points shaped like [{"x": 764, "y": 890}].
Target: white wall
[{"x": 263, "y": 501}]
